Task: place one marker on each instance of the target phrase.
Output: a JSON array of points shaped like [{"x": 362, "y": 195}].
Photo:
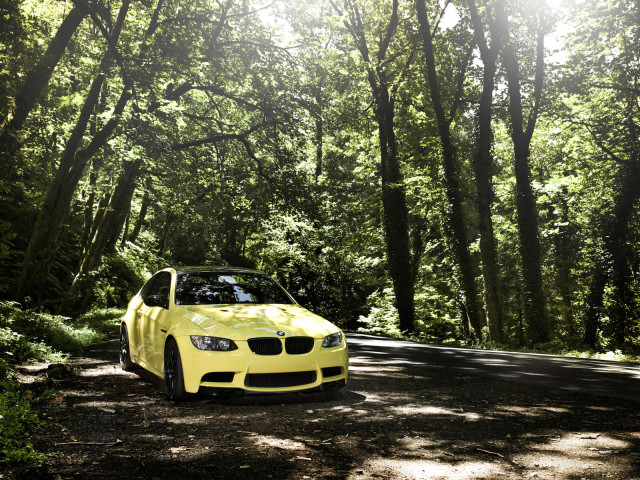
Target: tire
[
  {"x": 125, "y": 351},
  {"x": 173, "y": 378}
]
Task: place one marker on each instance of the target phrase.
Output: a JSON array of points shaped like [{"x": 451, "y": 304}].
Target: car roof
[{"x": 217, "y": 269}]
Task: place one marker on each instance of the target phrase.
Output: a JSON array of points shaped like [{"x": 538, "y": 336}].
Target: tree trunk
[
  {"x": 88, "y": 206},
  {"x": 458, "y": 232},
  {"x": 565, "y": 259},
  {"x": 125, "y": 231},
  {"x": 166, "y": 231},
  {"x": 319, "y": 144},
  {"x": 396, "y": 218},
  {"x": 36, "y": 80},
  {"x": 394, "y": 203},
  {"x": 534, "y": 301},
  {"x": 483, "y": 169},
  {"x": 53, "y": 214},
  {"x": 109, "y": 224},
  {"x": 614, "y": 260},
  {"x": 146, "y": 201}
]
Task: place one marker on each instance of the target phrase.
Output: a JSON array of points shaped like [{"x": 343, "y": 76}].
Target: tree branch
[
  {"x": 538, "y": 84},
  {"x": 457, "y": 99},
  {"x": 188, "y": 86},
  {"x": 391, "y": 28},
  {"x": 112, "y": 47},
  {"x": 600, "y": 143},
  {"x": 216, "y": 139},
  {"x": 247, "y": 146}
]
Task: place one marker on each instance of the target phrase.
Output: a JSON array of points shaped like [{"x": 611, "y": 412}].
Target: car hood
[{"x": 241, "y": 322}]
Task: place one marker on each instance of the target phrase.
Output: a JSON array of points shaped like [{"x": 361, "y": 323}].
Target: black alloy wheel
[
  {"x": 173, "y": 379},
  {"x": 125, "y": 353}
]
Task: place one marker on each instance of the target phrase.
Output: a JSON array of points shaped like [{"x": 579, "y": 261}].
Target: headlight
[
  {"x": 213, "y": 343},
  {"x": 333, "y": 340}
]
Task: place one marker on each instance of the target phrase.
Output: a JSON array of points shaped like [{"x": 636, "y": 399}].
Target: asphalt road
[{"x": 596, "y": 377}]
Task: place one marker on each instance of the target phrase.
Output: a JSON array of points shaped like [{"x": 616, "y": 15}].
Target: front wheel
[
  {"x": 173, "y": 379},
  {"x": 125, "y": 351}
]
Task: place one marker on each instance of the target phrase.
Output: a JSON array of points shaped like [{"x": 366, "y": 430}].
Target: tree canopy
[{"x": 460, "y": 170}]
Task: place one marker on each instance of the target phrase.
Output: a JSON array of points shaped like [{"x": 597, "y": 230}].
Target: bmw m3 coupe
[{"x": 229, "y": 330}]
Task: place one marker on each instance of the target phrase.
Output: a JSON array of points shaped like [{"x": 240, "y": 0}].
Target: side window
[
  {"x": 159, "y": 285},
  {"x": 163, "y": 285},
  {"x": 148, "y": 287}
]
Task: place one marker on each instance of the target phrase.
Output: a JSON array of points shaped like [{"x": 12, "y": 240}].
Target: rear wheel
[
  {"x": 173, "y": 378},
  {"x": 125, "y": 351}
]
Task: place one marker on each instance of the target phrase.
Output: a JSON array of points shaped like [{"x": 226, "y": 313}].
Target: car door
[
  {"x": 146, "y": 312},
  {"x": 139, "y": 348},
  {"x": 154, "y": 316}
]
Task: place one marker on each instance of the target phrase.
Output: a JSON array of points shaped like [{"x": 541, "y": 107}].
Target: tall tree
[
  {"x": 459, "y": 235},
  {"x": 606, "y": 90},
  {"x": 535, "y": 312},
  {"x": 55, "y": 209},
  {"x": 37, "y": 79},
  {"x": 109, "y": 221},
  {"x": 396, "y": 223},
  {"x": 483, "y": 168}
]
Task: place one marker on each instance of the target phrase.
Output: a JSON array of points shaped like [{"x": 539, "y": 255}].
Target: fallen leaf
[{"x": 177, "y": 449}]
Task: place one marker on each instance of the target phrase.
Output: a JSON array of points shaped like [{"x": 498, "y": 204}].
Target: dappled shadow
[
  {"x": 607, "y": 378},
  {"x": 397, "y": 418}
]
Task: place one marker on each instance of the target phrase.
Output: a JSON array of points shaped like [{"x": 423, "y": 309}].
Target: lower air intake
[
  {"x": 279, "y": 380},
  {"x": 331, "y": 371},
  {"x": 219, "y": 377}
]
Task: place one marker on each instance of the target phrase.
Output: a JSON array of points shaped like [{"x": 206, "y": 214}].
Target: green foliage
[
  {"x": 260, "y": 149},
  {"x": 54, "y": 330},
  {"x": 27, "y": 335},
  {"x": 383, "y": 316},
  {"x": 17, "y": 420},
  {"x": 15, "y": 347},
  {"x": 116, "y": 281}
]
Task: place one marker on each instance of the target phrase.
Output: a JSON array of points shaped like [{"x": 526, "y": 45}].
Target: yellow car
[{"x": 229, "y": 330}]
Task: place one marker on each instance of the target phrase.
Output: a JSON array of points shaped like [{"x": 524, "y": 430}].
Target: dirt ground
[{"x": 391, "y": 422}]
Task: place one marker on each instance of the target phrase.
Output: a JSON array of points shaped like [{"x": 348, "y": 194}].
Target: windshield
[{"x": 217, "y": 288}]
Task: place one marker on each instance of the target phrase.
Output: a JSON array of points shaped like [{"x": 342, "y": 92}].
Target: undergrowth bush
[
  {"x": 116, "y": 281},
  {"x": 18, "y": 419},
  {"x": 28, "y": 336},
  {"x": 436, "y": 319},
  {"x": 383, "y": 316},
  {"x": 121, "y": 274},
  {"x": 17, "y": 346}
]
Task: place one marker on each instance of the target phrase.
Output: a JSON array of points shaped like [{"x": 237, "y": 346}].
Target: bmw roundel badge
[{"x": 280, "y": 333}]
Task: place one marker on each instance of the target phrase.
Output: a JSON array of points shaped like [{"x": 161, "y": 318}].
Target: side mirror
[{"x": 156, "y": 301}]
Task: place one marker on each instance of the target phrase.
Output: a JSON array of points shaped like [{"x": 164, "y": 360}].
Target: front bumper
[{"x": 246, "y": 371}]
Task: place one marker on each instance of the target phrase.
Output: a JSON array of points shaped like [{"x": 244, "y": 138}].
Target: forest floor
[{"x": 390, "y": 422}]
